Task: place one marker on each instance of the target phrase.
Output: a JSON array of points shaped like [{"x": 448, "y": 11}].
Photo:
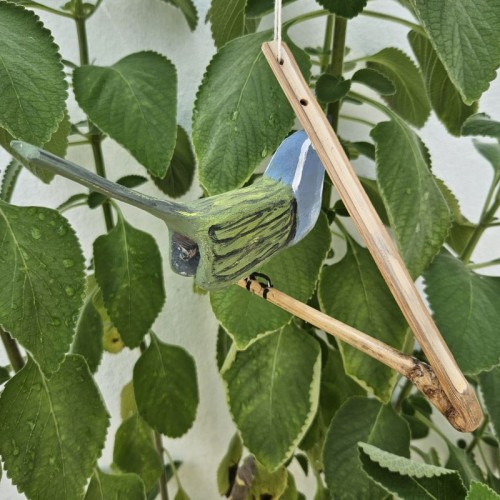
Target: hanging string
[{"x": 277, "y": 26}]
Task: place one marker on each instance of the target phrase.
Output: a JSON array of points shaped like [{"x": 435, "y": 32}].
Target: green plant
[{"x": 293, "y": 395}]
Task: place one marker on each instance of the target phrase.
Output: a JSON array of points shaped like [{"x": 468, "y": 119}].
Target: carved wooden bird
[{"x": 222, "y": 238}]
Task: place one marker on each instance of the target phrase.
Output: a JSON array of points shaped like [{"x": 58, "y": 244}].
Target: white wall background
[{"x": 121, "y": 27}]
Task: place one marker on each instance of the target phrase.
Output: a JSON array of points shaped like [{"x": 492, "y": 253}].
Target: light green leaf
[
  {"x": 443, "y": 95},
  {"x": 180, "y": 172},
  {"x": 464, "y": 463},
  {"x": 228, "y": 465},
  {"x": 241, "y": 114},
  {"x": 128, "y": 270},
  {"x": 188, "y": 9},
  {"x": 165, "y": 387},
  {"x": 353, "y": 291},
  {"x": 464, "y": 34},
  {"x": 344, "y": 8},
  {"x": 481, "y": 124},
  {"x": 41, "y": 268},
  {"x": 410, "y": 99},
  {"x": 466, "y": 307},
  {"x": 375, "y": 80},
  {"x": 490, "y": 151},
  {"x": 128, "y": 406},
  {"x": 305, "y": 258},
  {"x": 273, "y": 390},
  {"x": 134, "y": 102},
  {"x": 52, "y": 430},
  {"x": 227, "y": 20},
  {"x": 268, "y": 484},
  {"x": 480, "y": 491},
  {"x": 32, "y": 83},
  {"x": 331, "y": 88},
  {"x": 116, "y": 486},
  {"x": 134, "y": 450},
  {"x": 419, "y": 214},
  {"x": 360, "y": 419},
  {"x": 490, "y": 388},
  {"x": 290, "y": 492},
  {"x": 408, "y": 479}
]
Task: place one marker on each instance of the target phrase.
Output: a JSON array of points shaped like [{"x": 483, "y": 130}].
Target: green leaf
[
  {"x": 258, "y": 8},
  {"x": 375, "y": 80},
  {"x": 9, "y": 179},
  {"x": 89, "y": 331},
  {"x": 268, "y": 484},
  {"x": 490, "y": 151},
  {"x": 134, "y": 102},
  {"x": 480, "y": 491},
  {"x": 52, "y": 430},
  {"x": 128, "y": 406},
  {"x": 188, "y": 9},
  {"x": 344, "y": 8},
  {"x": 241, "y": 114},
  {"x": 226, "y": 471},
  {"x": 443, "y": 95},
  {"x": 224, "y": 343},
  {"x": 305, "y": 258},
  {"x": 331, "y": 88},
  {"x": 41, "y": 267},
  {"x": 353, "y": 291},
  {"x": 481, "y": 124},
  {"x": 410, "y": 99},
  {"x": 180, "y": 172},
  {"x": 419, "y": 214},
  {"x": 466, "y": 308},
  {"x": 4, "y": 375},
  {"x": 408, "y": 479},
  {"x": 273, "y": 390},
  {"x": 128, "y": 269},
  {"x": 360, "y": 419},
  {"x": 490, "y": 387},
  {"x": 32, "y": 82},
  {"x": 464, "y": 35},
  {"x": 165, "y": 387},
  {"x": 464, "y": 463},
  {"x": 58, "y": 143},
  {"x": 416, "y": 402},
  {"x": 116, "y": 486},
  {"x": 227, "y": 20},
  {"x": 371, "y": 189},
  {"x": 134, "y": 450}
]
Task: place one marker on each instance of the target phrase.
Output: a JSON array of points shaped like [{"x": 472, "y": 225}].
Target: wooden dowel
[
  {"x": 420, "y": 373},
  {"x": 377, "y": 239}
]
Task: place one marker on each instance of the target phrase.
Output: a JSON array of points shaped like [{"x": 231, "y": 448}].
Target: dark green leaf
[
  {"x": 331, "y": 88},
  {"x": 416, "y": 402},
  {"x": 115, "y": 486},
  {"x": 481, "y": 124},
  {"x": 134, "y": 450},
  {"x": 372, "y": 190},
  {"x": 480, "y": 491},
  {"x": 52, "y": 430},
  {"x": 464, "y": 463},
  {"x": 344, "y": 8},
  {"x": 360, "y": 419},
  {"x": 419, "y": 214},
  {"x": 165, "y": 387},
  {"x": 258, "y": 8},
  {"x": 466, "y": 307},
  {"x": 9, "y": 179},
  {"x": 41, "y": 267},
  {"x": 490, "y": 388},
  {"x": 226, "y": 471},
  {"x": 180, "y": 172},
  {"x": 241, "y": 114},
  {"x": 410, "y": 99},
  {"x": 365, "y": 148},
  {"x": 375, "y": 80},
  {"x": 443, "y": 95},
  {"x": 464, "y": 34},
  {"x": 32, "y": 83},
  {"x": 224, "y": 343},
  {"x": 408, "y": 479},
  {"x": 134, "y": 102},
  {"x": 305, "y": 258},
  {"x": 4, "y": 375},
  {"x": 353, "y": 291},
  {"x": 276, "y": 378},
  {"x": 128, "y": 270},
  {"x": 188, "y": 9},
  {"x": 72, "y": 201},
  {"x": 227, "y": 20}
]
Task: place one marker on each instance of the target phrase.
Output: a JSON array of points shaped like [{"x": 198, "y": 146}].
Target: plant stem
[
  {"x": 394, "y": 19},
  {"x": 481, "y": 265},
  {"x": 163, "y": 478},
  {"x": 336, "y": 64},
  {"x": 403, "y": 394},
  {"x": 304, "y": 17},
  {"x": 95, "y": 138},
  {"x": 174, "y": 468},
  {"x": 328, "y": 42},
  {"x": 422, "y": 418},
  {"x": 358, "y": 120},
  {"x": 478, "y": 435},
  {"x": 40, "y": 6},
  {"x": 12, "y": 349}
]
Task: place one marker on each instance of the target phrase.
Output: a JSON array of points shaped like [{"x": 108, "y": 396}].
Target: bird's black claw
[{"x": 266, "y": 285}]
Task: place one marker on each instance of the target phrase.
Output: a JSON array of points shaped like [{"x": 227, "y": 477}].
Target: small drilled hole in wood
[
  {"x": 281, "y": 61},
  {"x": 304, "y": 102}
]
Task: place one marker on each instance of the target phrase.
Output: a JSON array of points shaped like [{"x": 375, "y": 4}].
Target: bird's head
[{"x": 297, "y": 164}]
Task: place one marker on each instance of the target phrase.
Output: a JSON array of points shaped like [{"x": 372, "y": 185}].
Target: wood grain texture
[{"x": 378, "y": 240}]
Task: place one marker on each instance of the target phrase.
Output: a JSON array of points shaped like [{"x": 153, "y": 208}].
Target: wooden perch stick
[
  {"x": 420, "y": 373},
  {"x": 378, "y": 241}
]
